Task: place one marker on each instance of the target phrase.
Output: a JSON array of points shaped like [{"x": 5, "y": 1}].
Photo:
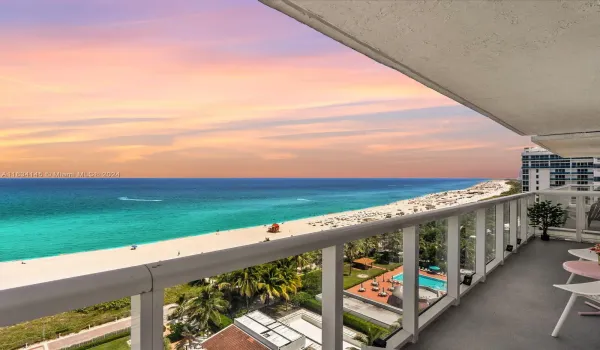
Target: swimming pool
[{"x": 427, "y": 282}]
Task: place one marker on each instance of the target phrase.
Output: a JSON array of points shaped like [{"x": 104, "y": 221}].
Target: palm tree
[
  {"x": 205, "y": 307},
  {"x": 351, "y": 250},
  {"x": 301, "y": 260},
  {"x": 246, "y": 282},
  {"x": 369, "y": 244},
  {"x": 271, "y": 283},
  {"x": 188, "y": 335},
  {"x": 179, "y": 311},
  {"x": 291, "y": 283}
]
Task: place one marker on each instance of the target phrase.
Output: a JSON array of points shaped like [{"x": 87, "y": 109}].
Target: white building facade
[{"x": 542, "y": 169}]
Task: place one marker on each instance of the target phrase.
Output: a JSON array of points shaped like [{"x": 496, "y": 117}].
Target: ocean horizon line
[{"x": 50, "y": 217}]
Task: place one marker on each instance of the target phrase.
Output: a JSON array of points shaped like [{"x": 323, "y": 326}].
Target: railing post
[
  {"x": 500, "y": 245},
  {"x": 147, "y": 320},
  {"x": 480, "y": 244},
  {"x": 513, "y": 225},
  {"x": 410, "y": 280},
  {"x": 453, "y": 244},
  {"x": 580, "y": 217},
  {"x": 333, "y": 297},
  {"x": 524, "y": 219}
]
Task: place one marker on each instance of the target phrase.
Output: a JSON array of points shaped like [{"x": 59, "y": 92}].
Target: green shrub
[
  {"x": 312, "y": 305},
  {"x": 300, "y": 298},
  {"x": 166, "y": 344},
  {"x": 176, "y": 329},
  {"x": 225, "y": 321},
  {"x": 312, "y": 282},
  {"x": 363, "y": 326}
]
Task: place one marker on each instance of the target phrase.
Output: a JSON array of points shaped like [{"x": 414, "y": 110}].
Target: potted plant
[
  {"x": 596, "y": 249},
  {"x": 544, "y": 215}
]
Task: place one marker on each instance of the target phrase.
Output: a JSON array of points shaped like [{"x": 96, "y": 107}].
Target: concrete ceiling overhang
[
  {"x": 571, "y": 145},
  {"x": 530, "y": 65}
]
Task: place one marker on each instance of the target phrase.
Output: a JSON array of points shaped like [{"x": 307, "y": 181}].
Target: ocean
[{"x": 46, "y": 217}]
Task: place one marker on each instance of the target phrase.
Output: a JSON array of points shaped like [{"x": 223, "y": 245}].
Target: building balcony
[
  {"x": 487, "y": 241},
  {"x": 517, "y": 307}
]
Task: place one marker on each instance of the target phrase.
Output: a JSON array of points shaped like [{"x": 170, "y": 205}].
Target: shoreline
[{"x": 15, "y": 273}]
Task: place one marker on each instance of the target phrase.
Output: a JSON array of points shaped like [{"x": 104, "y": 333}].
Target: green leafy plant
[{"x": 544, "y": 215}]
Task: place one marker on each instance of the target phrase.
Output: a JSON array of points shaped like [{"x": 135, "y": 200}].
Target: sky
[{"x": 227, "y": 88}]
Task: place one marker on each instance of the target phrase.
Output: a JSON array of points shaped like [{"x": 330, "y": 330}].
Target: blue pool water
[
  {"x": 45, "y": 217},
  {"x": 427, "y": 282}
]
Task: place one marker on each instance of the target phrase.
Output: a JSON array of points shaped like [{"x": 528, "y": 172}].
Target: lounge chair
[
  {"x": 593, "y": 214},
  {"x": 589, "y": 290}
]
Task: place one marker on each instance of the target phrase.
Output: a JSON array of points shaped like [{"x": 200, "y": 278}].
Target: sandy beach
[{"x": 17, "y": 273}]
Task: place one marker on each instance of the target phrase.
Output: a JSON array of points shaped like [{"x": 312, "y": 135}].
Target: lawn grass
[
  {"x": 15, "y": 337},
  {"x": 353, "y": 279},
  {"x": 117, "y": 344},
  {"x": 390, "y": 266}
]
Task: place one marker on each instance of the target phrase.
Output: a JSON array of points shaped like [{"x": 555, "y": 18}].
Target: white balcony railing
[{"x": 146, "y": 283}]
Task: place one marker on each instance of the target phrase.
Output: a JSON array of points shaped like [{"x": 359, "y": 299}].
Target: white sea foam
[
  {"x": 303, "y": 199},
  {"x": 139, "y": 200}
]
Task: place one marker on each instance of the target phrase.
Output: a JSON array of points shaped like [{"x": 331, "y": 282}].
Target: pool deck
[{"x": 373, "y": 295}]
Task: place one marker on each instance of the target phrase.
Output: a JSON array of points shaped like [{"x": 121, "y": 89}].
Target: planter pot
[{"x": 545, "y": 237}]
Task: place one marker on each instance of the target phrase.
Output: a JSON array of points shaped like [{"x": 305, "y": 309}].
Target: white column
[
  {"x": 513, "y": 225},
  {"x": 453, "y": 245},
  {"x": 524, "y": 219},
  {"x": 580, "y": 220},
  {"x": 410, "y": 280},
  {"x": 147, "y": 320},
  {"x": 500, "y": 245},
  {"x": 480, "y": 244},
  {"x": 333, "y": 307}
]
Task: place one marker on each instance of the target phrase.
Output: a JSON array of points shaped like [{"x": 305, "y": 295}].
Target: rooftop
[
  {"x": 517, "y": 307},
  {"x": 232, "y": 338}
]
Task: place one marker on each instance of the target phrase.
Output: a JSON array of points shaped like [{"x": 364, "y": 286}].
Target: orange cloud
[{"x": 131, "y": 96}]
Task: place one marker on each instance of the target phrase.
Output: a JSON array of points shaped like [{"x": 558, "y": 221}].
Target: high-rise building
[{"x": 541, "y": 169}]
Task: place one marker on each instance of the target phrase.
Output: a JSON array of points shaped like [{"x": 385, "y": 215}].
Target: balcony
[
  {"x": 516, "y": 308},
  {"x": 524, "y": 282}
]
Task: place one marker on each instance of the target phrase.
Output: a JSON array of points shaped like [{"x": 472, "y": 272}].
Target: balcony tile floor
[{"x": 517, "y": 308}]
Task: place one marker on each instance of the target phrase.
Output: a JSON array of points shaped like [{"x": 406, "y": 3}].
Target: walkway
[{"x": 92, "y": 333}]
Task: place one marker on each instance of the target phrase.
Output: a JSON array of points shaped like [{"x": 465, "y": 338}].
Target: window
[
  {"x": 537, "y": 182},
  {"x": 537, "y": 170},
  {"x": 537, "y": 176},
  {"x": 537, "y": 187}
]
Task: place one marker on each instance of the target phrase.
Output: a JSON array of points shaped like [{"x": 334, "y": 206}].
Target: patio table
[
  {"x": 590, "y": 269},
  {"x": 582, "y": 254}
]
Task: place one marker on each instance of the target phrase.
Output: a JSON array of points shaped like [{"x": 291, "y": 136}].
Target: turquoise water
[
  {"x": 45, "y": 217},
  {"x": 426, "y": 281}
]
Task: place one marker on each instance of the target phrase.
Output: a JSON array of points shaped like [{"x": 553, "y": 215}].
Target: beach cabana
[{"x": 363, "y": 263}]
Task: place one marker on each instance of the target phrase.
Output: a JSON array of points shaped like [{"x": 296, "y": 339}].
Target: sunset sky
[{"x": 206, "y": 88}]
